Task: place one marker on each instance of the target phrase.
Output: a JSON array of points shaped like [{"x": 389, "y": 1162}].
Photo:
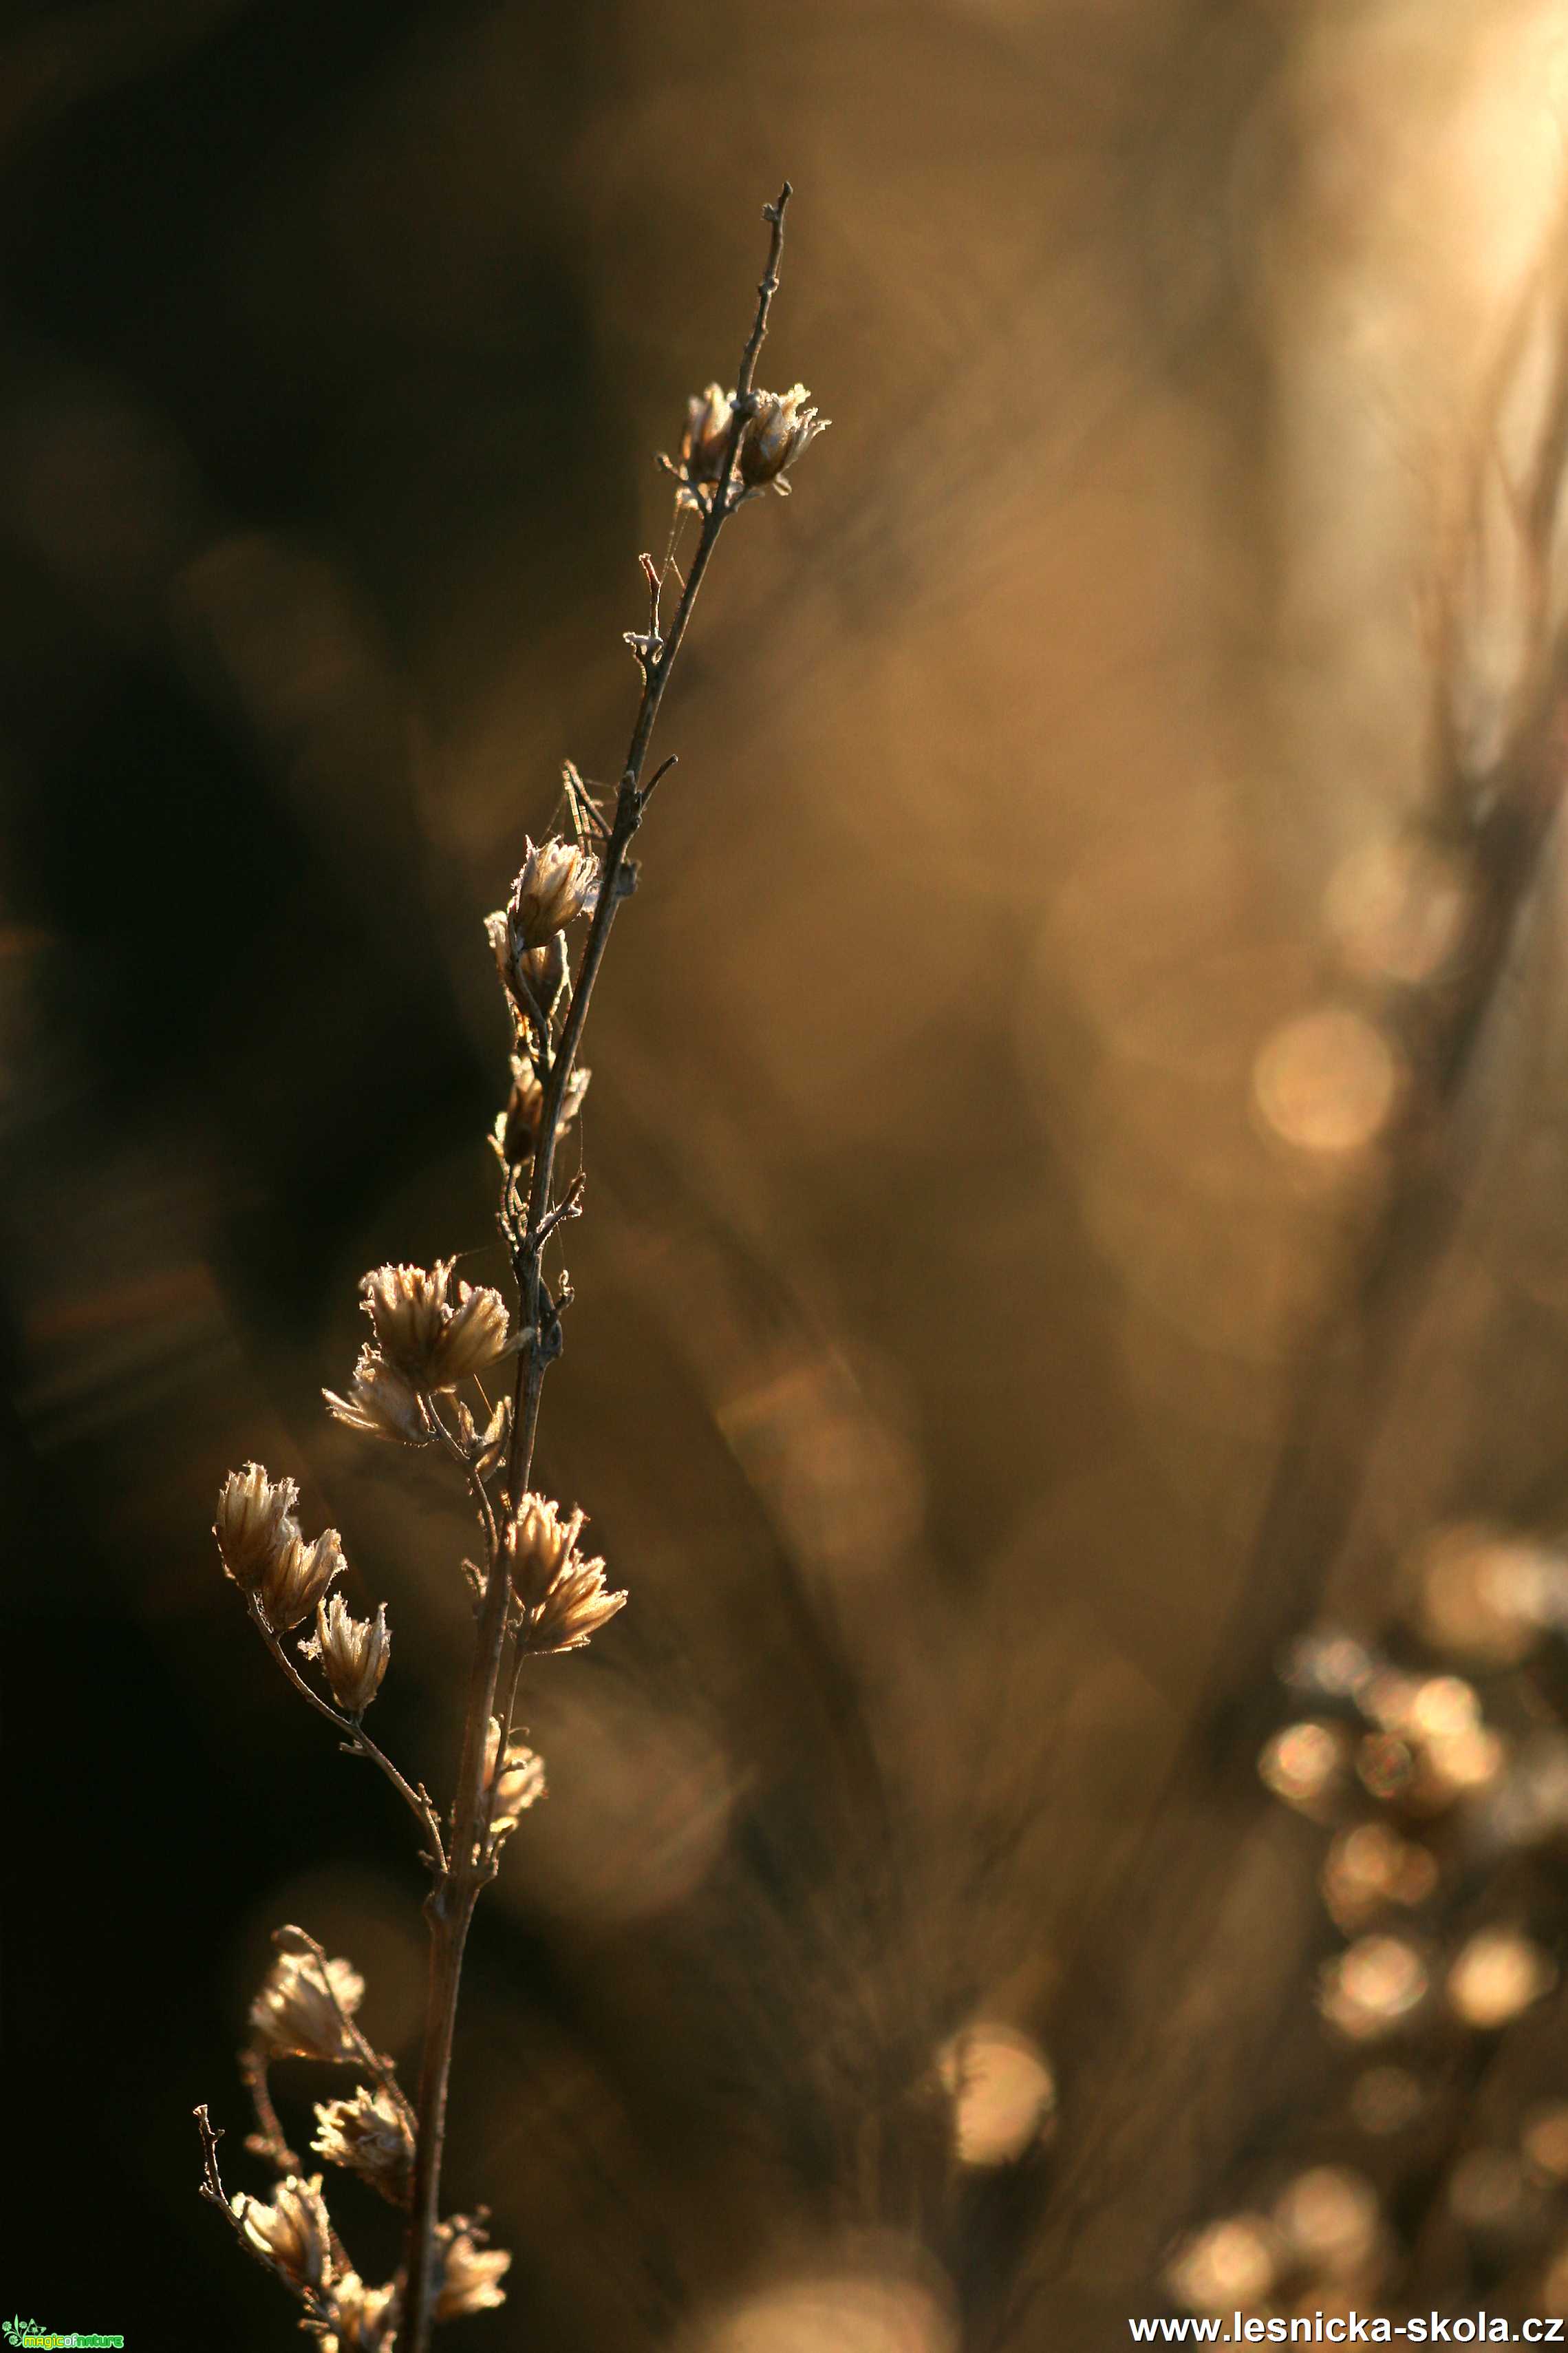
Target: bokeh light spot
[
  {"x": 1326, "y": 1083},
  {"x": 1003, "y": 2090}
]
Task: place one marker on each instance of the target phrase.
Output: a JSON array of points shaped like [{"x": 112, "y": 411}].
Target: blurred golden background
[{"x": 1075, "y": 1152}]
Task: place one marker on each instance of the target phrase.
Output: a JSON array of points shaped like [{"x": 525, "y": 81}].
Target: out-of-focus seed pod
[
  {"x": 369, "y": 2135},
  {"x": 1234, "y": 2263},
  {"x": 1329, "y": 2219},
  {"x": 469, "y": 2276},
  {"x": 1496, "y": 1977},
  {"x": 1373, "y": 1988},
  {"x": 300, "y": 2012},
  {"x": 365, "y": 2318},
  {"x": 294, "y": 2229},
  {"x": 1372, "y": 1867},
  {"x": 1308, "y": 1766},
  {"x": 708, "y": 418},
  {"x": 520, "y": 1784}
]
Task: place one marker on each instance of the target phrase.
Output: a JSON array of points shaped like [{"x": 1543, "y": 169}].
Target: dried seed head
[
  {"x": 577, "y": 1604},
  {"x": 782, "y": 431},
  {"x": 353, "y": 1652},
  {"x": 517, "y": 1129},
  {"x": 381, "y": 1403},
  {"x": 531, "y": 977},
  {"x": 253, "y": 1523},
  {"x": 429, "y": 1339},
  {"x": 520, "y": 1783},
  {"x": 293, "y": 2230},
  {"x": 564, "y": 1598},
  {"x": 557, "y": 884},
  {"x": 708, "y": 418},
  {"x": 369, "y": 2135},
  {"x": 539, "y": 1544},
  {"x": 364, "y": 2319},
  {"x": 473, "y": 1338},
  {"x": 295, "y": 2016},
  {"x": 469, "y": 2276},
  {"x": 297, "y": 1582}
]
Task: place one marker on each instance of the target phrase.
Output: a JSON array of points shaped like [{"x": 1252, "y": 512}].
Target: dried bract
[
  {"x": 428, "y": 1336},
  {"x": 353, "y": 1652},
  {"x": 563, "y": 1599},
  {"x": 293, "y": 2230},
  {"x": 531, "y": 977},
  {"x": 516, "y": 1136},
  {"x": 381, "y": 1403},
  {"x": 369, "y": 2135},
  {"x": 708, "y": 418},
  {"x": 297, "y": 1582},
  {"x": 539, "y": 1543},
  {"x": 295, "y": 2016},
  {"x": 577, "y": 1604},
  {"x": 520, "y": 1783},
  {"x": 782, "y": 431},
  {"x": 365, "y": 2318},
  {"x": 469, "y": 2277},
  {"x": 558, "y": 882},
  {"x": 253, "y": 1523}
]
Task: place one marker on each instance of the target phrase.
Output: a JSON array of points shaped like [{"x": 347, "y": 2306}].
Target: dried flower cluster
[
  {"x": 760, "y": 443},
  {"x": 422, "y": 1379},
  {"x": 1443, "y": 1795}
]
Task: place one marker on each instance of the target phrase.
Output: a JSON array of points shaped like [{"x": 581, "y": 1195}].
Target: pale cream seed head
[
  {"x": 295, "y": 2016},
  {"x": 469, "y": 2277},
  {"x": 557, "y": 882},
  {"x": 780, "y": 433},
  {"x": 709, "y": 417},
  {"x": 368, "y": 2135},
  {"x": 293, "y": 2229},
  {"x": 255, "y": 1523},
  {"x": 353, "y": 1652},
  {"x": 297, "y": 1580},
  {"x": 539, "y": 1543},
  {"x": 381, "y": 1403},
  {"x": 365, "y": 2318},
  {"x": 576, "y": 1605}
]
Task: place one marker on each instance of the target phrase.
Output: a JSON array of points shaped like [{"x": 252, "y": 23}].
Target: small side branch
[
  {"x": 318, "y": 2313},
  {"x": 358, "y": 1743}
]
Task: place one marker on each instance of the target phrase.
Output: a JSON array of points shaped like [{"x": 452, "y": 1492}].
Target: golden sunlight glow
[
  {"x": 1497, "y": 1976},
  {"x": 1004, "y": 2093},
  {"x": 1399, "y": 910},
  {"x": 1234, "y": 2261},
  {"x": 1486, "y": 1594},
  {"x": 1302, "y": 1764},
  {"x": 1329, "y": 2219},
  {"x": 1326, "y": 1083},
  {"x": 1373, "y": 1988},
  {"x": 848, "y": 2315}
]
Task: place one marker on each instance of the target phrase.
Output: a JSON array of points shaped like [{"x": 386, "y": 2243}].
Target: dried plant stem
[
  {"x": 358, "y": 1743},
  {"x": 450, "y": 1905}
]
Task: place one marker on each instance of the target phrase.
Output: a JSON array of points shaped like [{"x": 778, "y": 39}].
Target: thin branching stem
[
  {"x": 358, "y": 1741},
  {"x": 450, "y": 1905}
]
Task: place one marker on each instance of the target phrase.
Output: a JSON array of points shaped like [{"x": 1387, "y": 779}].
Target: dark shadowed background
[{"x": 1076, "y": 1151}]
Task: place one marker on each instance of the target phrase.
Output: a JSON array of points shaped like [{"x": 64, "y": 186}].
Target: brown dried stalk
[
  {"x": 451, "y": 1903},
  {"x": 536, "y": 1592}
]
